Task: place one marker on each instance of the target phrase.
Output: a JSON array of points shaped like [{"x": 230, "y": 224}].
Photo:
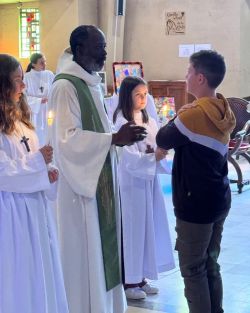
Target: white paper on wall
[
  {"x": 202, "y": 46},
  {"x": 186, "y": 50}
]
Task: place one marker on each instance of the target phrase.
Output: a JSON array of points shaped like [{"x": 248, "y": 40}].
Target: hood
[
  {"x": 64, "y": 59},
  {"x": 218, "y": 112},
  {"x": 66, "y": 65}
]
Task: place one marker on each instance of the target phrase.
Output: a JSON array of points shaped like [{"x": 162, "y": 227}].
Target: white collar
[{"x": 72, "y": 68}]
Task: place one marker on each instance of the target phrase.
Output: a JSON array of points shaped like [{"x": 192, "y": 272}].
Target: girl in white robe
[
  {"x": 146, "y": 240},
  {"x": 31, "y": 278},
  {"x": 38, "y": 82}
]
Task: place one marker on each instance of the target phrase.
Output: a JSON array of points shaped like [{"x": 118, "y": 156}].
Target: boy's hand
[
  {"x": 160, "y": 154},
  {"x": 186, "y": 107}
]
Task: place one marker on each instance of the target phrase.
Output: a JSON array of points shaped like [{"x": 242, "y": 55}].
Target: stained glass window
[{"x": 29, "y": 32}]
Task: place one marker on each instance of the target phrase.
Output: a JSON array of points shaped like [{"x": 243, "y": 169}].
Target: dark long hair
[
  {"x": 10, "y": 111},
  {"x": 33, "y": 60},
  {"x": 125, "y": 103}
]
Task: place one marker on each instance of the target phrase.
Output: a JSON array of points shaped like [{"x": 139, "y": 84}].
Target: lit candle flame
[{"x": 50, "y": 118}]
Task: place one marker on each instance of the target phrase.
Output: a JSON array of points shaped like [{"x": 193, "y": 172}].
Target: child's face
[
  {"x": 17, "y": 80},
  {"x": 139, "y": 97},
  {"x": 40, "y": 65}
]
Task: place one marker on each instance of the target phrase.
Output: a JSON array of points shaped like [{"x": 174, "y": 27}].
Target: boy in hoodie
[{"x": 201, "y": 193}]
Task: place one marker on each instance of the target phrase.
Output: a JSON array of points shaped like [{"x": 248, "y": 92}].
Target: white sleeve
[
  {"x": 23, "y": 175},
  {"x": 164, "y": 167},
  {"x": 33, "y": 102},
  {"x": 138, "y": 164},
  {"x": 135, "y": 162},
  {"x": 79, "y": 154},
  {"x": 51, "y": 193}
]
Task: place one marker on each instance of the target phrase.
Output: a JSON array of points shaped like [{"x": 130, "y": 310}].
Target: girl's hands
[
  {"x": 149, "y": 149},
  {"x": 53, "y": 175},
  {"x": 47, "y": 153},
  {"x": 44, "y": 100},
  {"x": 159, "y": 152}
]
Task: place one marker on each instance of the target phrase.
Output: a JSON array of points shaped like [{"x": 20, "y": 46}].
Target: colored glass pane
[{"x": 29, "y": 32}]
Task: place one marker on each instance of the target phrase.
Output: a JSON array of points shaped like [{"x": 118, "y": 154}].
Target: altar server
[
  {"x": 38, "y": 82},
  {"x": 146, "y": 239},
  {"x": 31, "y": 279}
]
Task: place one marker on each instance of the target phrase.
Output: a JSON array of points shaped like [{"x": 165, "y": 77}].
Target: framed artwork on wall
[{"x": 123, "y": 69}]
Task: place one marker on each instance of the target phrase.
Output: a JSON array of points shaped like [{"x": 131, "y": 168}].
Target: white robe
[
  {"x": 63, "y": 59},
  {"x": 80, "y": 155},
  {"x": 38, "y": 85},
  {"x": 146, "y": 239},
  {"x": 31, "y": 279}
]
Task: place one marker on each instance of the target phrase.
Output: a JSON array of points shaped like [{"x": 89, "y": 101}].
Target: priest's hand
[
  {"x": 47, "y": 153},
  {"x": 128, "y": 134},
  {"x": 53, "y": 174}
]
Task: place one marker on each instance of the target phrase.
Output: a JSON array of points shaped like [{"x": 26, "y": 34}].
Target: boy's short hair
[{"x": 211, "y": 64}]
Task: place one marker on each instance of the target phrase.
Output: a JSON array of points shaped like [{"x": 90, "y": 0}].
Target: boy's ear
[{"x": 201, "y": 79}]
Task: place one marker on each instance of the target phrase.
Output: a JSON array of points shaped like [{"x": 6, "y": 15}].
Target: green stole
[{"x": 105, "y": 192}]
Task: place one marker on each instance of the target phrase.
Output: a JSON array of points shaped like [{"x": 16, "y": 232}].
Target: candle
[{"x": 50, "y": 118}]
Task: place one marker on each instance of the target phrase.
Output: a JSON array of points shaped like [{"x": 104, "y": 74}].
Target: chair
[
  {"x": 239, "y": 108},
  {"x": 239, "y": 144}
]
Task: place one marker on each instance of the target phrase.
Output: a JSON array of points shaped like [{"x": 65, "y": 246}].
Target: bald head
[{"x": 79, "y": 35}]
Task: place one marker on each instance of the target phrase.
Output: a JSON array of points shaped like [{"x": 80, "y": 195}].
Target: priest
[{"x": 88, "y": 211}]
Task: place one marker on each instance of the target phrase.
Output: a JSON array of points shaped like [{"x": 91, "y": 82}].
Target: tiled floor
[{"x": 234, "y": 260}]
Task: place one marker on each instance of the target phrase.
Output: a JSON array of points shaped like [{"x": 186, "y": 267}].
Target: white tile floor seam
[{"x": 234, "y": 260}]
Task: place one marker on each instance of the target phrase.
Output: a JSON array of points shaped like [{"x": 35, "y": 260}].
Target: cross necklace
[
  {"x": 41, "y": 88},
  {"x": 24, "y": 139}
]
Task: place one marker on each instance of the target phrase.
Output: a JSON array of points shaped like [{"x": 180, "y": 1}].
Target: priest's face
[
  {"x": 18, "y": 84},
  {"x": 91, "y": 54}
]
